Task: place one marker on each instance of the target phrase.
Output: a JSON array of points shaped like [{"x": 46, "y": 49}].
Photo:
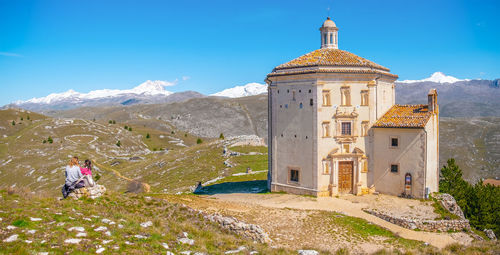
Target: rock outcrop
[
  {"x": 490, "y": 234},
  {"x": 91, "y": 192},
  {"x": 449, "y": 203}
]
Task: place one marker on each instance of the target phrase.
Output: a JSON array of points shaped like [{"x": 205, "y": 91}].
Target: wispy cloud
[
  {"x": 169, "y": 83},
  {"x": 10, "y": 54},
  {"x": 185, "y": 78}
]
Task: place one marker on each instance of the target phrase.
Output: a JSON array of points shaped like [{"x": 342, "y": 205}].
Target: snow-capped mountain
[
  {"x": 148, "y": 92},
  {"x": 437, "y": 77},
  {"x": 149, "y": 88},
  {"x": 250, "y": 89}
]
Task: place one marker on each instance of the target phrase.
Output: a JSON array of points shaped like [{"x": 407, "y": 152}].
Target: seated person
[
  {"x": 73, "y": 177},
  {"x": 87, "y": 173}
]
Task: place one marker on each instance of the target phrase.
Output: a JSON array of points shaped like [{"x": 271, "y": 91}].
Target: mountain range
[{"x": 457, "y": 98}]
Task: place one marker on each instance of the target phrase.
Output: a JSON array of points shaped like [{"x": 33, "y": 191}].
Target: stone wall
[
  {"x": 425, "y": 225},
  {"x": 233, "y": 225}
]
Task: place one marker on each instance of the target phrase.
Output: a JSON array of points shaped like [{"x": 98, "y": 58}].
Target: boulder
[
  {"x": 91, "y": 192},
  {"x": 490, "y": 234}
]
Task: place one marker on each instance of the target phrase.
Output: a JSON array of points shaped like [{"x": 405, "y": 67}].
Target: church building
[{"x": 334, "y": 128}]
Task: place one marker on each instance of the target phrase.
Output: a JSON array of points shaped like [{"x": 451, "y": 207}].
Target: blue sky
[{"x": 52, "y": 46}]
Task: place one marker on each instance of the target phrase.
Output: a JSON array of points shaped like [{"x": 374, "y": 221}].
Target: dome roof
[
  {"x": 330, "y": 57},
  {"x": 330, "y": 60},
  {"x": 329, "y": 23}
]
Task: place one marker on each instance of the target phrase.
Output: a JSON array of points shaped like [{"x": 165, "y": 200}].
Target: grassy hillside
[{"x": 110, "y": 224}]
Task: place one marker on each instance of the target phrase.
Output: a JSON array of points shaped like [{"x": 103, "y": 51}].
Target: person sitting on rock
[
  {"x": 74, "y": 177},
  {"x": 87, "y": 173}
]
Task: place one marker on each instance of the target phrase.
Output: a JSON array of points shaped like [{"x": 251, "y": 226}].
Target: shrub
[
  {"x": 185, "y": 135},
  {"x": 221, "y": 136},
  {"x": 172, "y": 132},
  {"x": 129, "y": 128},
  {"x": 118, "y": 143},
  {"x": 13, "y": 123},
  {"x": 22, "y": 119},
  {"x": 50, "y": 140},
  {"x": 148, "y": 136},
  {"x": 28, "y": 117},
  {"x": 44, "y": 141},
  {"x": 110, "y": 122},
  {"x": 198, "y": 141},
  {"x": 125, "y": 127}
]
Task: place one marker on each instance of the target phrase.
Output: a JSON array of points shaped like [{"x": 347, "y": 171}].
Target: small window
[
  {"x": 281, "y": 106},
  {"x": 394, "y": 142},
  {"x": 300, "y": 91},
  {"x": 331, "y": 38},
  {"x": 311, "y": 101},
  {"x": 300, "y": 105},
  {"x": 309, "y": 91},
  {"x": 294, "y": 175},
  {"x": 394, "y": 168},
  {"x": 346, "y": 128},
  {"x": 287, "y": 91},
  {"x": 278, "y": 91}
]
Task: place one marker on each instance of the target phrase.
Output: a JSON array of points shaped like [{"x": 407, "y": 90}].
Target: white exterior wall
[
  {"x": 296, "y": 148},
  {"x": 410, "y": 155}
]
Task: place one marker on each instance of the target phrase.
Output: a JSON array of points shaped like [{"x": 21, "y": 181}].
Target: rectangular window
[
  {"x": 294, "y": 175},
  {"x": 311, "y": 101},
  {"x": 364, "y": 97},
  {"x": 394, "y": 142},
  {"x": 394, "y": 168},
  {"x": 345, "y": 96},
  {"x": 346, "y": 128},
  {"x": 326, "y": 98},
  {"x": 326, "y": 129}
]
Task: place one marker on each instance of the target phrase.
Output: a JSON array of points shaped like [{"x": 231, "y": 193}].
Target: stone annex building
[{"x": 334, "y": 127}]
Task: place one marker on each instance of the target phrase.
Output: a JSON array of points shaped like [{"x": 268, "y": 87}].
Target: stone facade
[{"x": 323, "y": 136}]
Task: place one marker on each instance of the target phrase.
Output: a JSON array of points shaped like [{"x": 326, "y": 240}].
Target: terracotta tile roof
[
  {"x": 346, "y": 71},
  {"x": 330, "y": 57},
  {"x": 405, "y": 116}
]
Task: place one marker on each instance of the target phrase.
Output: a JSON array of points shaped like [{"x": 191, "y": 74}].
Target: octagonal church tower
[{"x": 322, "y": 107}]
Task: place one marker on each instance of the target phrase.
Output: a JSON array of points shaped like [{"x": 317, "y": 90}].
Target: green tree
[
  {"x": 118, "y": 143},
  {"x": 13, "y": 123},
  {"x": 44, "y": 141},
  {"x": 185, "y": 135},
  {"x": 110, "y": 122},
  {"x": 125, "y": 127},
  {"x": 480, "y": 203},
  {"x": 22, "y": 119},
  {"x": 28, "y": 117},
  {"x": 148, "y": 136},
  {"x": 50, "y": 140},
  {"x": 198, "y": 141},
  {"x": 114, "y": 121},
  {"x": 129, "y": 128},
  {"x": 221, "y": 136}
]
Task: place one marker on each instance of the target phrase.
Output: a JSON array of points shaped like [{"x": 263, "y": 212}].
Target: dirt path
[{"x": 439, "y": 240}]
